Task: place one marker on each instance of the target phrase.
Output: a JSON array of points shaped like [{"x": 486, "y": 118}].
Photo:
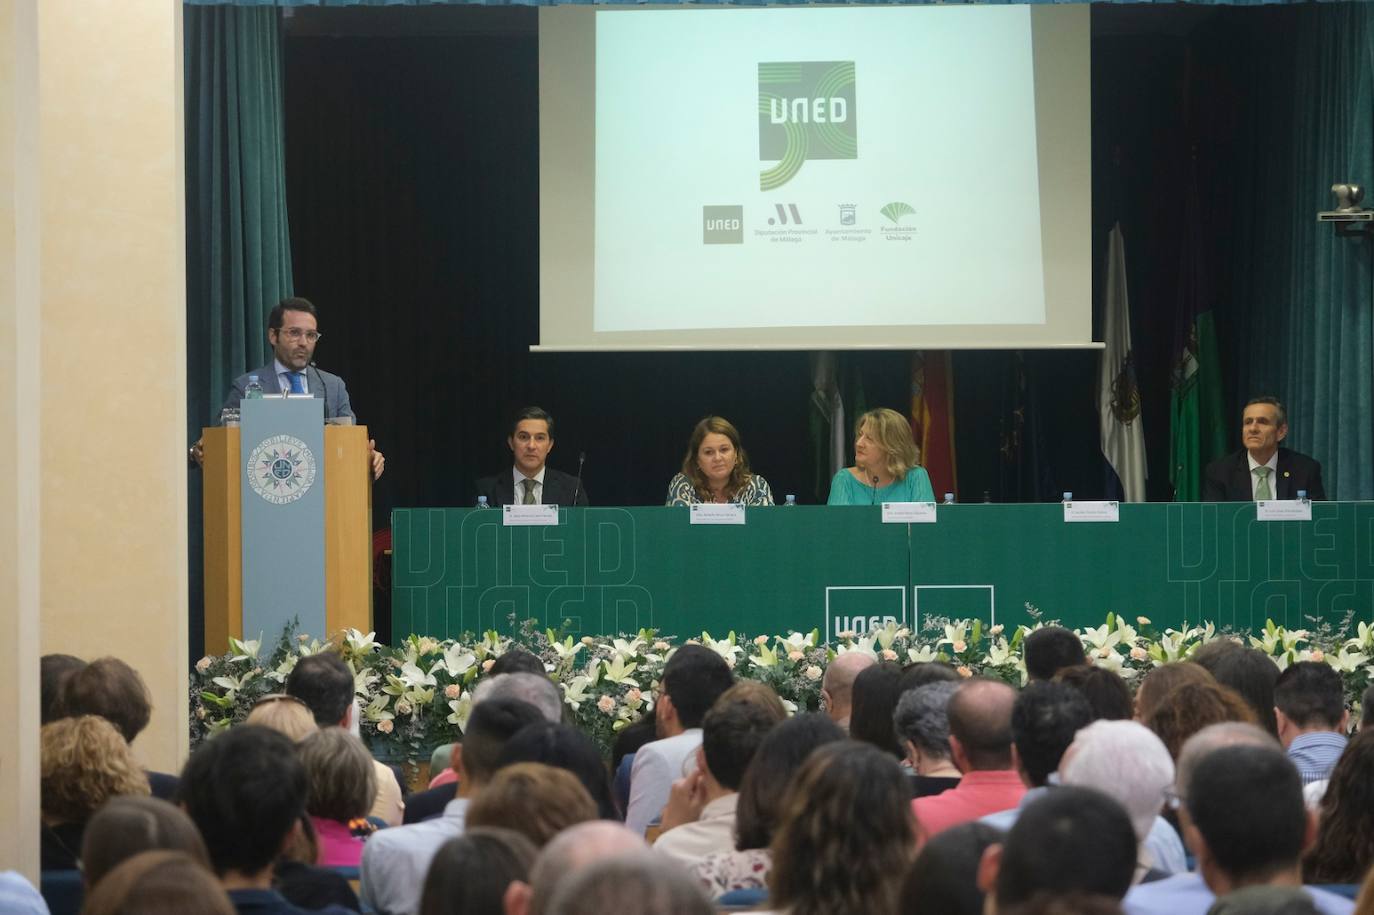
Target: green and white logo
[{"x": 806, "y": 111}]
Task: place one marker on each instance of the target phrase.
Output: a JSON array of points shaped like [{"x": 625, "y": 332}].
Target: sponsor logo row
[{"x": 724, "y": 225}]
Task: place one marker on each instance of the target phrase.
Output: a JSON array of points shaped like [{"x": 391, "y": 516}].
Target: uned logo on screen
[
  {"x": 722, "y": 225},
  {"x": 807, "y": 110}
]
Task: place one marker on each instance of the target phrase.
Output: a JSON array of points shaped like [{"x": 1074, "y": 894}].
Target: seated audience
[
  {"x": 18, "y": 897},
  {"x": 1344, "y": 848},
  {"x": 245, "y": 790},
  {"x": 823, "y": 862},
  {"x": 693, "y": 679},
  {"x": 341, "y": 782},
  {"x": 1189, "y": 708},
  {"x": 875, "y": 694},
  {"x": 565, "y": 747},
  {"x": 536, "y": 689},
  {"x": 1367, "y": 707},
  {"x": 1066, "y": 904},
  {"x": 623, "y": 749},
  {"x": 157, "y": 883},
  {"x": 700, "y": 817},
  {"x": 1243, "y": 817},
  {"x": 921, "y": 723},
  {"x": 635, "y": 885},
  {"x": 395, "y": 860},
  {"x": 1044, "y": 720},
  {"x": 324, "y": 682},
  {"x": 518, "y": 661},
  {"x": 943, "y": 880},
  {"x": 53, "y": 671},
  {"x": 1071, "y": 840},
  {"x": 126, "y": 826},
  {"x": 716, "y": 469},
  {"x": 980, "y": 743},
  {"x": 1104, "y": 689},
  {"x": 569, "y": 852},
  {"x": 1209, "y": 654},
  {"x": 535, "y": 800},
  {"x": 473, "y": 874},
  {"x": 84, "y": 762},
  {"x": 1309, "y": 704},
  {"x": 296, "y": 876},
  {"x": 1252, "y": 674},
  {"x": 1050, "y": 649},
  {"x": 1265, "y": 900},
  {"x": 921, "y": 673},
  {"x": 285, "y": 715},
  {"x": 1160, "y": 681},
  {"x": 837, "y": 685},
  {"x": 759, "y": 694},
  {"x": 113, "y": 690},
  {"x": 1127, "y": 762},
  {"x": 781, "y": 753}
]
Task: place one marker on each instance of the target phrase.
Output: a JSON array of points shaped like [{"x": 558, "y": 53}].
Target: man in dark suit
[
  {"x": 1262, "y": 471},
  {"x": 530, "y": 481}
]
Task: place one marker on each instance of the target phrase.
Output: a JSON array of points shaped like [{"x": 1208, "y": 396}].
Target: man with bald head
[
  {"x": 980, "y": 744},
  {"x": 572, "y": 850},
  {"x": 837, "y": 687}
]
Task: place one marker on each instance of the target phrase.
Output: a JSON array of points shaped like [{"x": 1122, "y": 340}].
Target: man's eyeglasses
[{"x": 295, "y": 333}]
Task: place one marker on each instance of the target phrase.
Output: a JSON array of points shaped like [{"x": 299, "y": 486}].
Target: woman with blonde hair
[
  {"x": 285, "y": 715},
  {"x": 885, "y": 464},
  {"x": 716, "y": 469},
  {"x": 84, "y": 763}
]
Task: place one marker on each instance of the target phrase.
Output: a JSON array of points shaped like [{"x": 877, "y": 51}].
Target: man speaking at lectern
[
  {"x": 293, "y": 331},
  {"x": 530, "y": 481},
  {"x": 1262, "y": 471}
]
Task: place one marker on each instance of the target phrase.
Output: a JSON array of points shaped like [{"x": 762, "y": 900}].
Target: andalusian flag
[
  {"x": 932, "y": 418},
  {"x": 1121, "y": 432}
]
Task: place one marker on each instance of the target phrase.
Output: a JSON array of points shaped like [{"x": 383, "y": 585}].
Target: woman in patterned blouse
[{"x": 716, "y": 469}]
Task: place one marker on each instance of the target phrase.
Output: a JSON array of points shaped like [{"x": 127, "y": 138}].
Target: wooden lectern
[{"x": 347, "y": 534}]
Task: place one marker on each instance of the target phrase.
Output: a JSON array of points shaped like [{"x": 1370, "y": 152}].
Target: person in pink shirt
[
  {"x": 342, "y": 782},
  {"x": 980, "y": 744}
]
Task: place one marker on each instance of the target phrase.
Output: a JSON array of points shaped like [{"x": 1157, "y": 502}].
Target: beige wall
[{"x": 97, "y": 439}]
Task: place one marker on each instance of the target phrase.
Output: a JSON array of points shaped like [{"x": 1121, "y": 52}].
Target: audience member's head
[
  {"x": 837, "y": 686},
  {"x": 569, "y": 852},
  {"x": 1050, "y": 649},
  {"x": 1044, "y": 720},
  {"x": 921, "y": 723},
  {"x": 779, "y": 756},
  {"x": 692, "y": 681},
  {"x": 472, "y": 874},
  {"x": 518, "y": 661},
  {"x": 111, "y": 689},
  {"x": 53, "y": 671},
  {"x": 633, "y": 736},
  {"x": 1050, "y": 903},
  {"x": 923, "y": 673},
  {"x": 1189, "y": 708},
  {"x": 491, "y": 725},
  {"x": 1245, "y": 819},
  {"x": 1344, "y": 850},
  {"x": 324, "y": 683},
  {"x": 1071, "y": 840},
  {"x": 1160, "y": 681},
  {"x": 1267, "y": 900},
  {"x": 128, "y": 825},
  {"x": 875, "y": 693},
  {"x": 980, "y": 725},
  {"x": 730, "y": 736},
  {"x": 1208, "y": 654},
  {"x": 565, "y": 747},
  {"x": 1367, "y": 706},
  {"x": 756, "y": 693},
  {"x": 638, "y": 885},
  {"x": 158, "y": 883},
  {"x": 536, "y": 689},
  {"x": 1252, "y": 674},
  {"x": 283, "y": 714},
  {"x": 943, "y": 880},
  {"x": 1104, "y": 689},
  {"x": 1126, "y": 761},
  {"x": 535, "y": 800},
  {"x": 821, "y": 862},
  {"x": 339, "y": 774},
  {"x": 1214, "y": 737},
  {"x": 1309, "y": 696},
  {"x": 245, "y": 790},
  {"x": 84, "y": 762}
]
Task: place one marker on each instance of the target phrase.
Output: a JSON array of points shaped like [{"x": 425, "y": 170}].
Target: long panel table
[{"x": 610, "y": 570}]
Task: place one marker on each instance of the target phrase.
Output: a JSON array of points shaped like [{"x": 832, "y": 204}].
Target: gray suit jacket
[{"x": 323, "y": 385}]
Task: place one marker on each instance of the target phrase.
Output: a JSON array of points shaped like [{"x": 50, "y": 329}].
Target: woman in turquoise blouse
[
  {"x": 884, "y": 464},
  {"x": 716, "y": 469}
]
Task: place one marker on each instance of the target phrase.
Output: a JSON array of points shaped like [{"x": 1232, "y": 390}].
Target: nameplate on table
[
  {"x": 1100, "y": 512},
  {"x": 908, "y": 512},
  {"x": 529, "y": 515},
  {"x": 1284, "y": 510},
  {"x": 714, "y": 513}
]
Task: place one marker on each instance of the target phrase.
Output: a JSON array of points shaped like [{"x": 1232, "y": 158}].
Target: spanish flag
[{"x": 932, "y": 418}]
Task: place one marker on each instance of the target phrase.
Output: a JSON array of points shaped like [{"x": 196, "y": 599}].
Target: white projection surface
[{"x": 880, "y": 177}]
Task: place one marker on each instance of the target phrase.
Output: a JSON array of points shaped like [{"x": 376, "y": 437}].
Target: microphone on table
[
  {"x": 581, "y": 459},
  {"x": 874, "y": 480}
]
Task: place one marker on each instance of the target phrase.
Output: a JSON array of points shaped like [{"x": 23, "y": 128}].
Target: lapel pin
[{"x": 1285, "y": 473}]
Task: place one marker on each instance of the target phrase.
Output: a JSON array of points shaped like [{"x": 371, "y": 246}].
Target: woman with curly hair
[
  {"x": 885, "y": 464},
  {"x": 1189, "y": 708},
  {"x": 1160, "y": 681},
  {"x": 1344, "y": 849},
  {"x": 85, "y": 762},
  {"x": 716, "y": 469},
  {"x": 824, "y": 861}
]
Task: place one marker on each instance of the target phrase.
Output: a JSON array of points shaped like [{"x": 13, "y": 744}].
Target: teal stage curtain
[{"x": 1300, "y": 322}]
